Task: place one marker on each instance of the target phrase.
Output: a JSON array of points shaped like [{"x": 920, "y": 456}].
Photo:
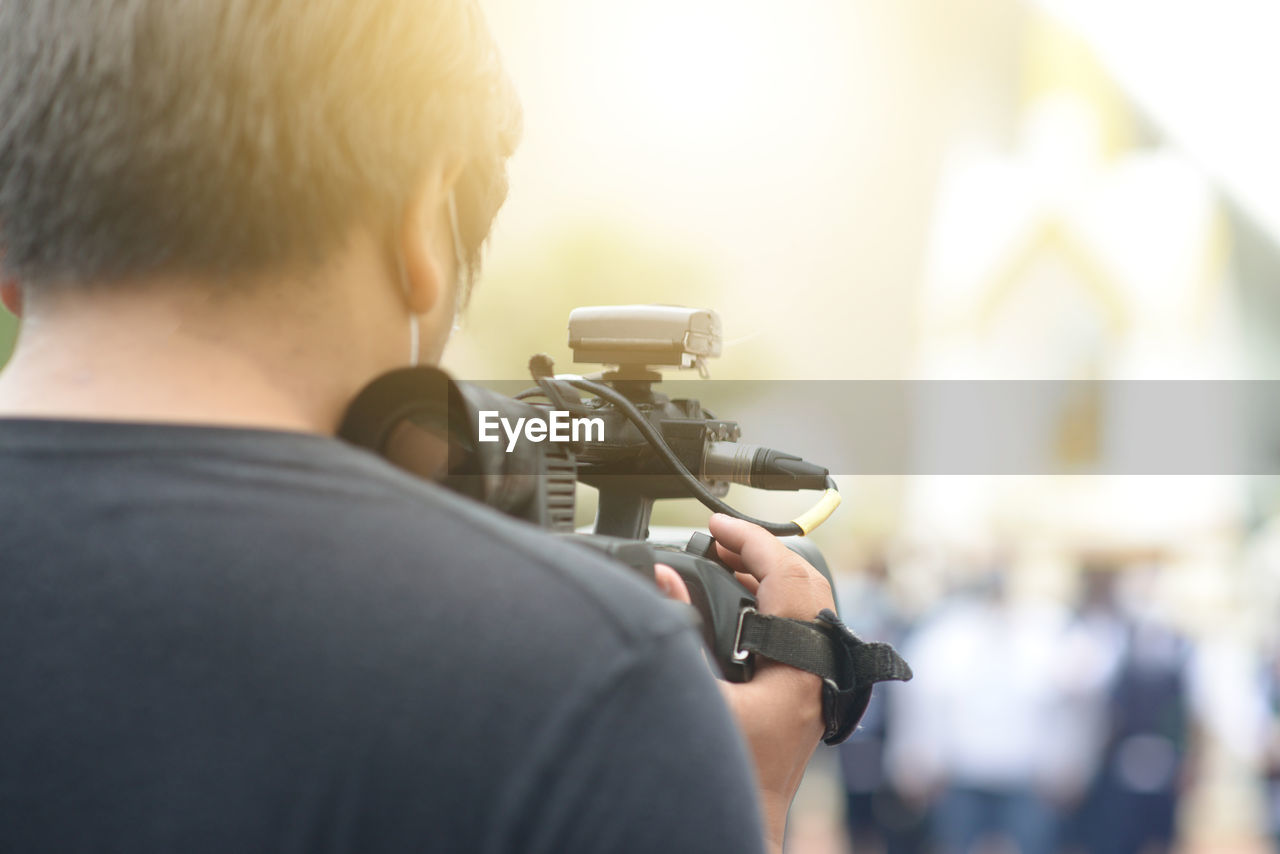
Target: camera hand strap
[{"x": 847, "y": 665}]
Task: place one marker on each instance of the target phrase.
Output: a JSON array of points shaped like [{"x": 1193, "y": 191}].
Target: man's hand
[{"x": 780, "y": 710}]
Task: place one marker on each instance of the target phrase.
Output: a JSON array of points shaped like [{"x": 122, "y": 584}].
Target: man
[{"x": 223, "y": 630}]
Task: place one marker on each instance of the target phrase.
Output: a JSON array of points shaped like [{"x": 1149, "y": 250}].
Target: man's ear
[
  {"x": 11, "y": 296},
  {"x": 426, "y": 242}
]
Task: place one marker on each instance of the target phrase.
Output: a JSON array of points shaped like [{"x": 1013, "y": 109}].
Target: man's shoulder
[
  {"x": 479, "y": 546},
  {"x": 340, "y": 564},
  {"x": 303, "y": 512}
]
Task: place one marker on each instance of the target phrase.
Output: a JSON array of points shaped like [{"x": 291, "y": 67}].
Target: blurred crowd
[{"x": 1041, "y": 728}]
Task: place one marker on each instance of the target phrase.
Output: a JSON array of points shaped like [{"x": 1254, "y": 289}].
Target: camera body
[{"x": 648, "y": 447}]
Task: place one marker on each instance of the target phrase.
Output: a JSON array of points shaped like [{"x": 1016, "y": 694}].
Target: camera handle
[{"x": 623, "y": 514}]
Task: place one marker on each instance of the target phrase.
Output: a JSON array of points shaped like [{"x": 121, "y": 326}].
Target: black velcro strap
[
  {"x": 794, "y": 642},
  {"x": 847, "y": 665}
]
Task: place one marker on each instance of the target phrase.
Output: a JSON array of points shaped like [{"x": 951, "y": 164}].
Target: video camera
[{"x": 635, "y": 446}]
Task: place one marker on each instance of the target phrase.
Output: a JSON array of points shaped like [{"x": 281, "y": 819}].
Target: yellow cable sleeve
[{"x": 818, "y": 513}]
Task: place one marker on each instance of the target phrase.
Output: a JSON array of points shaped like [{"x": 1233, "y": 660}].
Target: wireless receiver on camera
[{"x": 649, "y": 447}]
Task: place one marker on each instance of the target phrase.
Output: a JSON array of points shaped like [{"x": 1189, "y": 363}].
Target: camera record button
[{"x": 702, "y": 545}]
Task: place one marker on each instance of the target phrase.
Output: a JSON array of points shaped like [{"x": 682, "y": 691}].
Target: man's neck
[
  {"x": 177, "y": 355},
  {"x": 182, "y": 382}
]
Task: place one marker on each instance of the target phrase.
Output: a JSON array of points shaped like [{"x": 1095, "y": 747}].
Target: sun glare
[
  {"x": 702, "y": 73},
  {"x": 695, "y": 64}
]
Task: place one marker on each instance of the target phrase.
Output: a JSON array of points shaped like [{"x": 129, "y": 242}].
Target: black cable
[
  {"x": 546, "y": 388},
  {"x": 700, "y": 491},
  {"x": 553, "y": 394}
]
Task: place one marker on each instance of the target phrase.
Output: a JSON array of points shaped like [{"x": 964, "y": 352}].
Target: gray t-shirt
[{"x": 217, "y": 640}]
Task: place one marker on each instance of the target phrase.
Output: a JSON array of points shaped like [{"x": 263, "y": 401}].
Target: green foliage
[{"x": 8, "y": 333}]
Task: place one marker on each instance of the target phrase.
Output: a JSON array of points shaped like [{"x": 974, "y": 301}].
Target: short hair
[{"x": 235, "y": 136}]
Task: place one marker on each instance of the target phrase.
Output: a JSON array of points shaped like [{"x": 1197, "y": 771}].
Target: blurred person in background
[
  {"x": 998, "y": 736},
  {"x": 1132, "y": 802},
  {"x": 1099, "y": 623},
  {"x": 1271, "y": 751},
  {"x": 877, "y": 816}
]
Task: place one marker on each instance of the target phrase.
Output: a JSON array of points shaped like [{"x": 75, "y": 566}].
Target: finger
[
  {"x": 730, "y": 558},
  {"x": 762, "y": 553},
  {"x": 733, "y": 560},
  {"x": 671, "y": 584}
]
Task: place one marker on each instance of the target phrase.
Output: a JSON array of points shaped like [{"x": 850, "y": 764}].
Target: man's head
[{"x": 232, "y": 140}]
